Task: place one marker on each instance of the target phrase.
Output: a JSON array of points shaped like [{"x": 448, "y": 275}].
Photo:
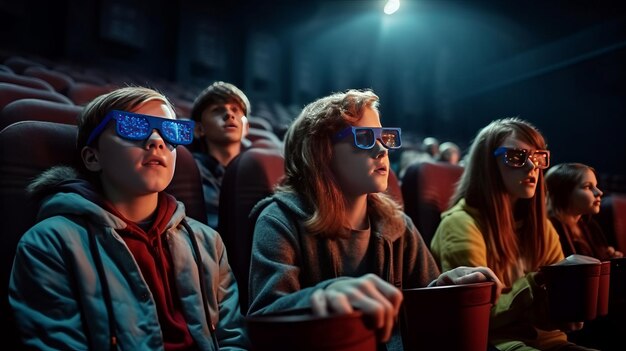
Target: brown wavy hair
[
  {"x": 483, "y": 188},
  {"x": 308, "y": 153}
]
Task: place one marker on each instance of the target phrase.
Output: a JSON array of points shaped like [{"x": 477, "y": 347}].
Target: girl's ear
[
  {"x": 198, "y": 130},
  {"x": 90, "y": 157}
]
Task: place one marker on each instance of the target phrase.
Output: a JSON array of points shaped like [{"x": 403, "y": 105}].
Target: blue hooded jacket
[{"x": 56, "y": 291}]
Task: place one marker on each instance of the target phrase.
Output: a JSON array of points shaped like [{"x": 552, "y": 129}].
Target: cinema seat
[
  {"x": 38, "y": 110},
  {"x": 426, "y": 189}
]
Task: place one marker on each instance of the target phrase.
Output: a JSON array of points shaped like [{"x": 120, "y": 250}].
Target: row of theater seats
[
  {"x": 68, "y": 84},
  {"x": 39, "y": 101},
  {"x": 75, "y": 84},
  {"x": 77, "y": 93},
  {"x": 612, "y": 219}
]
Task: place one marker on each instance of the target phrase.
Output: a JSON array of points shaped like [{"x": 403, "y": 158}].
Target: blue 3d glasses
[
  {"x": 365, "y": 137},
  {"x": 135, "y": 126}
]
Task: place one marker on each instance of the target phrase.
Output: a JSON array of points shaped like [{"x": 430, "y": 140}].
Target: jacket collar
[{"x": 298, "y": 209}]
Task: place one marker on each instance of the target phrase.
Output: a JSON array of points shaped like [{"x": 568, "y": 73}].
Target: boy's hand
[
  {"x": 469, "y": 275},
  {"x": 369, "y": 293}
]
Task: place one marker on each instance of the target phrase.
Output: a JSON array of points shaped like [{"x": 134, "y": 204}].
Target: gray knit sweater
[{"x": 288, "y": 264}]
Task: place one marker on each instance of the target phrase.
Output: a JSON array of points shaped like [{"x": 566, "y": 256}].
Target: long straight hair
[
  {"x": 561, "y": 180},
  {"x": 482, "y": 187},
  {"x": 308, "y": 154}
]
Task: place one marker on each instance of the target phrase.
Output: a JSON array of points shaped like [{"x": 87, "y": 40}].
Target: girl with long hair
[
  {"x": 498, "y": 219},
  {"x": 573, "y": 198}
]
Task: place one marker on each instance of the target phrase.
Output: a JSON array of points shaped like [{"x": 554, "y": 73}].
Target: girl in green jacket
[{"x": 498, "y": 219}]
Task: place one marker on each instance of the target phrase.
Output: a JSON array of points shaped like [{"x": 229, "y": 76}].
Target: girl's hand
[
  {"x": 469, "y": 275},
  {"x": 369, "y": 293},
  {"x": 612, "y": 253}
]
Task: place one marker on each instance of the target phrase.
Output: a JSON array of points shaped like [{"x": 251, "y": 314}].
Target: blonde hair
[
  {"x": 483, "y": 188},
  {"x": 308, "y": 153},
  {"x": 124, "y": 99}
]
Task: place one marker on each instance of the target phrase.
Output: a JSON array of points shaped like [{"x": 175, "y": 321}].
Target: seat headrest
[
  {"x": 38, "y": 110},
  {"x": 255, "y": 134},
  {"x": 186, "y": 185},
  {"x": 249, "y": 178},
  {"x": 30, "y": 82},
  {"x": 26, "y": 149},
  {"x": 427, "y": 188},
  {"x": 82, "y": 93},
  {"x": 58, "y": 80},
  {"x": 11, "y": 92},
  {"x": 393, "y": 187}
]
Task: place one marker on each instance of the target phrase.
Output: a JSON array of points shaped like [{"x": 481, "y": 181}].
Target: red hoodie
[{"x": 152, "y": 254}]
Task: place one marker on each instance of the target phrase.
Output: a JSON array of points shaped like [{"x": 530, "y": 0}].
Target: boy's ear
[
  {"x": 246, "y": 127},
  {"x": 198, "y": 130},
  {"x": 90, "y": 158}
]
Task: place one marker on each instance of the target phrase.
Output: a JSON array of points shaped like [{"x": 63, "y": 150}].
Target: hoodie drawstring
[
  {"x": 93, "y": 247},
  {"x": 198, "y": 260}
]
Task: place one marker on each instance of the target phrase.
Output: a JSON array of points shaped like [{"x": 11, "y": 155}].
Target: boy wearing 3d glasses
[
  {"x": 329, "y": 239},
  {"x": 114, "y": 262}
]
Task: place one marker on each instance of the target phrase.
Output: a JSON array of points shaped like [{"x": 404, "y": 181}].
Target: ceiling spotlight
[{"x": 392, "y": 6}]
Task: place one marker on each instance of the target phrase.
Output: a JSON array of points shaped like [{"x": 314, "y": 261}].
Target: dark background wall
[{"x": 442, "y": 68}]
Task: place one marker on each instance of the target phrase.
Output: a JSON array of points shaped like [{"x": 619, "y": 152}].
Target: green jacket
[{"x": 459, "y": 241}]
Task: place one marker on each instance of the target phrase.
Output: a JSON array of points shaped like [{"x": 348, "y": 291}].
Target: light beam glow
[{"x": 392, "y": 6}]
